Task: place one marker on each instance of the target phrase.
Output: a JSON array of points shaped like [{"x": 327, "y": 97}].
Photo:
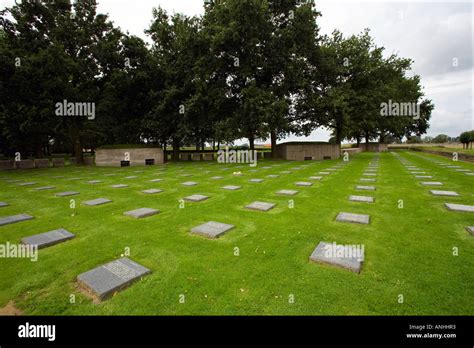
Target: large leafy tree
[
  {"x": 67, "y": 52},
  {"x": 176, "y": 46}
]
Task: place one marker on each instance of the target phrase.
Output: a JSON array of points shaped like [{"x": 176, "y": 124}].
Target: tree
[
  {"x": 66, "y": 54},
  {"x": 467, "y": 138},
  {"x": 440, "y": 139},
  {"x": 175, "y": 49}
]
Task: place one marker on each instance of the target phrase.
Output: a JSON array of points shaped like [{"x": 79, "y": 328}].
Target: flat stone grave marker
[
  {"x": 353, "y": 218},
  {"x": 453, "y": 167},
  {"x": 216, "y": 177},
  {"x": 324, "y": 173},
  {"x": 365, "y": 199},
  {"x": 462, "y": 170},
  {"x": 303, "y": 183},
  {"x": 327, "y": 253},
  {"x": 110, "y": 174},
  {"x": 152, "y": 191},
  {"x": 141, "y": 213},
  {"x": 119, "y": 186},
  {"x": 189, "y": 183},
  {"x": 47, "y": 239},
  {"x": 27, "y": 184},
  {"x": 232, "y": 187},
  {"x": 44, "y": 188},
  {"x": 102, "y": 282},
  {"x": 367, "y": 180},
  {"x": 285, "y": 172},
  {"x": 196, "y": 198},
  {"x": 273, "y": 176},
  {"x": 423, "y": 177},
  {"x": 365, "y": 188},
  {"x": 431, "y": 183},
  {"x": 418, "y": 173},
  {"x": 186, "y": 175},
  {"x": 470, "y": 174},
  {"x": 156, "y": 180},
  {"x": 315, "y": 178},
  {"x": 98, "y": 201},
  {"x": 14, "y": 219},
  {"x": 369, "y": 174},
  {"x": 470, "y": 229},
  {"x": 3, "y": 204},
  {"x": 460, "y": 207},
  {"x": 287, "y": 192},
  {"x": 94, "y": 182},
  {"x": 332, "y": 169},
  {"x": 444, "y": 193},
  {"x": 256, "y": 180},
  {"x": 131, "y": 177},
  {"x": 212, "y": 229},
  {"x": 67, "y": 193},
  {"x": 260, "y": 206},
  {"x": 267, "y": 167}
]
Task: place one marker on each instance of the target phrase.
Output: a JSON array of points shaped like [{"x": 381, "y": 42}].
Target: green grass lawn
[{"x": 408, "y": 251}]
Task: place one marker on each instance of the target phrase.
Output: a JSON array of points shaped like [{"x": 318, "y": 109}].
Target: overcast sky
[{"x": 434, "y": 34}]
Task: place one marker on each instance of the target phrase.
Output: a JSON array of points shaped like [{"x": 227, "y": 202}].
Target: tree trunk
[
  {"x": 358, "y": 141},
  {"x": 367, "y": 139},
  {"x": 273, "y": 138},
  {"x": 78, "y": 151},
  {"x": 251, "y": 143},
  {"x": 39, "y": 151},
  {"x": 175, "y": 155}
]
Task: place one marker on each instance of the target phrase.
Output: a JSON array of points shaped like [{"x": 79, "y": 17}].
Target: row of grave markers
[
  {"x": 421, "y": 174},
  {"x": 105, "y": 280},
  {"x": 101, "y": 282}
]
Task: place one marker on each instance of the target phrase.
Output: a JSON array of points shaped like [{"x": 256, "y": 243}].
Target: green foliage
[{"x": 246, "y": 69}]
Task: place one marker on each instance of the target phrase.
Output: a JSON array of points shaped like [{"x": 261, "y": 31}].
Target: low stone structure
[
  {"x": 374, "y": 147},
  {"x": 7, "y": 165},
  {"x": 58, "y": 162},
  {"x": 184, "y": 156},
  {"x": 136, "y": 157},
  {"x": 25, "y": 164},
  {"x": 300, "y": 151},
  {"x": 88, "y": 161},
  {"x": 42, "y": 163},
  {"x": 208, "y": 157}
]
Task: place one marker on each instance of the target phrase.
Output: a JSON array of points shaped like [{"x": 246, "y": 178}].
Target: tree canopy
[{"x": 245, "y": 69}]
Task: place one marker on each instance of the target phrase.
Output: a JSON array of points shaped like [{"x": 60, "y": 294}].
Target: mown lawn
[{"x": 408, "y": 251}]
